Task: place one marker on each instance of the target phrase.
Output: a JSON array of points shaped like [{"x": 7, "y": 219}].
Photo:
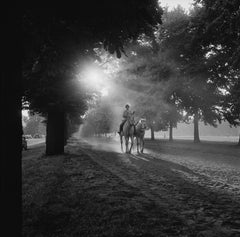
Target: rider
[{"x": 126, "y": 115}]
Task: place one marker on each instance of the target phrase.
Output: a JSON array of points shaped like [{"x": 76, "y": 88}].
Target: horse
[
  {"x": 140, "y": 132},
  {"x": 128, "y": 132}
]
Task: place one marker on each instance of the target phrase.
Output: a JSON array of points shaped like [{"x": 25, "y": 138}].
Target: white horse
[
  {"x": 128, "y": 133},
  {"x": 140, "y": 132}
]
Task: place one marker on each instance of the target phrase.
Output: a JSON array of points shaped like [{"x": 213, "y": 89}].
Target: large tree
[
  {"x": 196, "y": 93},
  {"x": 218, "y": 29},
  {"x": 172, "y": 111},
  {"x": 56, "y": 41},
  {"x": 11, "y": 124},
  {"x": 231, "y": 104}
]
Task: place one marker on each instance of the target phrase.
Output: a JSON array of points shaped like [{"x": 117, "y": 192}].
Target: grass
[{"x": 71, "y": 195}]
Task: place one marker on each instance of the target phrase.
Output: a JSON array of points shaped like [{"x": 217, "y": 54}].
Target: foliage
[
  {"x": 219, "y": 24},
  {"x": 34, "y": 124},
  {"x": 218, "y": 29},
  {"x": 231, "y": 104},
  {"x": 150, "y": 73},
  {"x": 57, "y": 42},
  {"x": 197, "y": 92},
  {"x": 181, "y": 76},
  {"x": 71, "y": 33},
  {"x": 98, "y": 121}
]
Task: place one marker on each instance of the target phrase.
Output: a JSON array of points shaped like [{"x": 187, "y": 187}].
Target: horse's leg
[
  {"x": 142, "y": 145},
  {"x": 126, "y": 142},
  {"x": 131, "y": 144},
  {"x": 121, "y": 140},
  {"x": 132, "y": 139},
  {"x": 138, "y": 145}
]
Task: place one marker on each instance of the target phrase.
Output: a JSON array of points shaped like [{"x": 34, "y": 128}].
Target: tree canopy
[
  {"x": 219, "y": 24},
  {"x": 57, "y": 42},
  {"x": 177, "y": 73}
]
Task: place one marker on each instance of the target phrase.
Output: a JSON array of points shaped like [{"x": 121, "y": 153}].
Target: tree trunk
[
  {"x": 55, "y": 132},
  {"x": 11, "y": 158},
  {"x": 196, "y": 128},
  {"x": 239, "y": 140},
  {"x": 66, "y": 129},
  {"x": 152, "y": 133},
  {"x": 170, "y": 131},
  {"x": 11, "y": 126}
]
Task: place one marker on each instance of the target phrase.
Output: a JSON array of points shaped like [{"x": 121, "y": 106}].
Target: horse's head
[{"x": 143, "y": 123}]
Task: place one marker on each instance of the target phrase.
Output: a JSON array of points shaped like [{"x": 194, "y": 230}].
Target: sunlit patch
[
  {"x": 94, "y": 78},
  {"x": 104, "y": 92},
  {"x": 25, "y": 113}
]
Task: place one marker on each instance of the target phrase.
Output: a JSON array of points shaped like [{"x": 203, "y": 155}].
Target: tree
[
  {"x": 147, "y": 107},
  {"x": 149, "y": 72},
  {"x": 181, "y": 74},
  {"x": 170, "y": 117},
  {"x": 172, "y": 111},
  {"x": 11, "y": 124},
  {"x": 56, "y": 104},
  {"x": 217, "y": 29},
  {"x": 55, "y": 42},
  {"x": 200, "y": 101},
  {"x": 98, "y": 121},
  {"x": 196, "y": 94},
  {"x": 34, "y": 124},
  {"x": 231, "y": 105}
]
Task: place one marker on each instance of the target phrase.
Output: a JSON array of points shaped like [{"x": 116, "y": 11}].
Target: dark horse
[
  {"x": 128, "y": 133},
  {"x": 140, "y": 132}
]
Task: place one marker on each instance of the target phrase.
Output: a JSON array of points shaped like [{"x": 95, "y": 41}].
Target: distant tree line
[{"x": 99, "y": 121}]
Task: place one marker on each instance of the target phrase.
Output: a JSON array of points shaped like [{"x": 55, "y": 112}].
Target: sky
[{"x": 173, "y": 3}]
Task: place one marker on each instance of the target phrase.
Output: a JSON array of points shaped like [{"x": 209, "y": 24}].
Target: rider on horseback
[{"x": 126, "y": 115}]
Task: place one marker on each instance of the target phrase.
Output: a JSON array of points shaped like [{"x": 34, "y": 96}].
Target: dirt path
[
  {"x": 178, "y": 185},
  {"x": 97, "y": 192}
]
